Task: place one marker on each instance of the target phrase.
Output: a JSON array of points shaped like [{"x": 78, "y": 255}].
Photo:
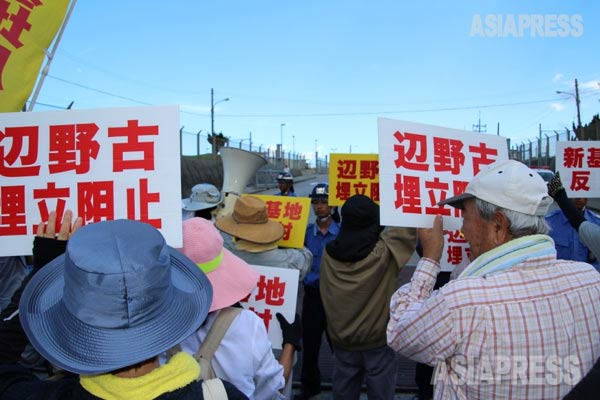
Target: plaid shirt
[{"x": 532, "y": 331}]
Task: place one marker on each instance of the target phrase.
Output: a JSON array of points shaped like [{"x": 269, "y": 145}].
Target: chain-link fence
[
  {"x": 541, "y": 152},
  {"x": 277, "y": 158},
  {"x": 538, "y": 152}
]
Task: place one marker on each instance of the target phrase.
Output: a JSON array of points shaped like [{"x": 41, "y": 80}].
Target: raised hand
[
  {"x": 432, "y": 239},
  {"x": 47, "y": 244},
  {"x": 66, "y": 229},
  {"x": 555, "y": 185}
]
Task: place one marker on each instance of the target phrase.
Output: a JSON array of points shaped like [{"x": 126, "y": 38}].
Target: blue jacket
[
  {"x": 315, "y": 241},
  {"x": 566, "y": 238}
]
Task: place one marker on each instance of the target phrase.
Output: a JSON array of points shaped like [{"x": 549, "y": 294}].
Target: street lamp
[
  {"x": 212, "y": 120},
  {"x": 576, "y": 97},
  {"x": 281, "y": 134},
  {"x": 281, "y": 142},
  {"x": 316, "y": 158},
  {"x": 198, "y": 142}
]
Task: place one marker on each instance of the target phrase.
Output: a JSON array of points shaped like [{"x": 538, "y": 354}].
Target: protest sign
[
  {"x": 579, "y": 167},
  {"x": 276, "y": 292},
  {"x": 351, "y": 174},
  {"x": 293, "y": 213},
  {"x": 421, "y": 165},
  {"x": 103, "y": 164}
]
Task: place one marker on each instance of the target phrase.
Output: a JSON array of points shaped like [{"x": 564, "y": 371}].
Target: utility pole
[
  {"x": 212, "y": 123},
  {"x": 212, "y": 120},
  {"x": 479, "y": 128},
  {"x": 579, "y": 133},
  {"x": 539, "y": 145},
  {"x": 181, "y": 140}
]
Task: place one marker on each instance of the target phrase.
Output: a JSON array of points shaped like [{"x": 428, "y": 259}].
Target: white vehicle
[{"x": 546, "y": 174}]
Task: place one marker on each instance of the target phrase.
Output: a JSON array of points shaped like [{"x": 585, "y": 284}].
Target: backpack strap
[
  {"x": 210, "y": 344},
  {"x": 214, "y": 389}
]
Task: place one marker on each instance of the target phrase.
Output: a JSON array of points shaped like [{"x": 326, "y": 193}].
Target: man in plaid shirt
[{"x": 517, "y": 323}]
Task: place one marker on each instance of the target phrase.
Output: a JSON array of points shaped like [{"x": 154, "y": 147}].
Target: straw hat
[{"x": 250, "y": 222}]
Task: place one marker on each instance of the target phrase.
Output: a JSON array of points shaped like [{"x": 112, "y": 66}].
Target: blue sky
[{"x": 327, "y": 69}]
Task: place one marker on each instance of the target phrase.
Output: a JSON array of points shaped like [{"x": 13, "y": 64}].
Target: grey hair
[{"x": 519, "y": 224}]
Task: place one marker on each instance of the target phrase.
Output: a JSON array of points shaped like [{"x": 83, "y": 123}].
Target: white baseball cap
[{"x": 508, "y": 184}]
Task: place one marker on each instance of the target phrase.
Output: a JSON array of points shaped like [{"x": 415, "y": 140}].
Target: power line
[
  {"x": 392, "y": 112},
  {"x": 341, "y": 114},
  {"x": 49, "y": 105},
  {"x": 99, "y": 91}
]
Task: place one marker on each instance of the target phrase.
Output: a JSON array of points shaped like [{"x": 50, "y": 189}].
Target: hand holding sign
[
  {"x": 432, "y": 239},
  {"x": 292, "y": 333},
  {"x": 65, "y": 231},
  {"x": 47, "y": 244}
]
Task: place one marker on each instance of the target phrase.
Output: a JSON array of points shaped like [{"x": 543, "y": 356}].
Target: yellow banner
[
  {"x": 27, "y": 27},
  {"x": 293, "y": 213},
  {"x": 351, "y": 174}
]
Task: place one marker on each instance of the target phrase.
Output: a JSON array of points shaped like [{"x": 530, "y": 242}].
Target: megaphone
[{"x": 238, "y": 167}]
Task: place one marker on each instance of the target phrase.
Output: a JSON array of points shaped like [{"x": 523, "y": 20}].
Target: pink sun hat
[{"x": 231, "y": 277}]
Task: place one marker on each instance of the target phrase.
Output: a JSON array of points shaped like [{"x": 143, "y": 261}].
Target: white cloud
[
  {"x": 557, "y": 77},
  {"x": 199, "y": 108},
  {"x": 557, "y": 106},
  {"x": 593, "y": 84}
]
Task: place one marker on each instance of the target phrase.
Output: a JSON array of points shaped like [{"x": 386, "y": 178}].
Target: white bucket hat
[{"x": 204, "y": 195}]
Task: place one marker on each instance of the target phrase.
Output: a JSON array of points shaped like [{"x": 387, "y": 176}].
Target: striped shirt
[{"x": 532, "y": 331}]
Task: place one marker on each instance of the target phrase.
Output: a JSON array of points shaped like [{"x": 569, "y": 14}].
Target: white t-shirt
[{"x": 244, "y": 356}]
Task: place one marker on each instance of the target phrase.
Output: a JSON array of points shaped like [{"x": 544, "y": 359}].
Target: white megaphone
[{"x": 238, "y": 167}]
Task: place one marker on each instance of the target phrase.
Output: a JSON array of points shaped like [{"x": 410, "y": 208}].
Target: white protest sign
[
  {"x": 421, "y": 165},
  {"x": 276, "y": 292},
  {"x": 579, "y": 167},
  {"x": 103, "y": 164}
]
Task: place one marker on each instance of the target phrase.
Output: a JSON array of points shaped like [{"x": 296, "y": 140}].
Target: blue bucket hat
[{"x": 118, "y": 296}]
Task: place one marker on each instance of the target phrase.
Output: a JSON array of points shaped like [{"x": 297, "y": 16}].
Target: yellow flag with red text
[{"x": 27, "y": 27}]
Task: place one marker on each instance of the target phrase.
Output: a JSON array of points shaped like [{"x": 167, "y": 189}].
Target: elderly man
[{"x": 517, "y": 323}]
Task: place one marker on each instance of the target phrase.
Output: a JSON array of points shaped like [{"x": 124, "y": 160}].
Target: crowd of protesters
[{"x": 113, "y": 312}]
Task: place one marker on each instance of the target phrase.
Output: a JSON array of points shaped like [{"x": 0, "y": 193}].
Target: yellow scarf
[{"x": 181, "y": 370}]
